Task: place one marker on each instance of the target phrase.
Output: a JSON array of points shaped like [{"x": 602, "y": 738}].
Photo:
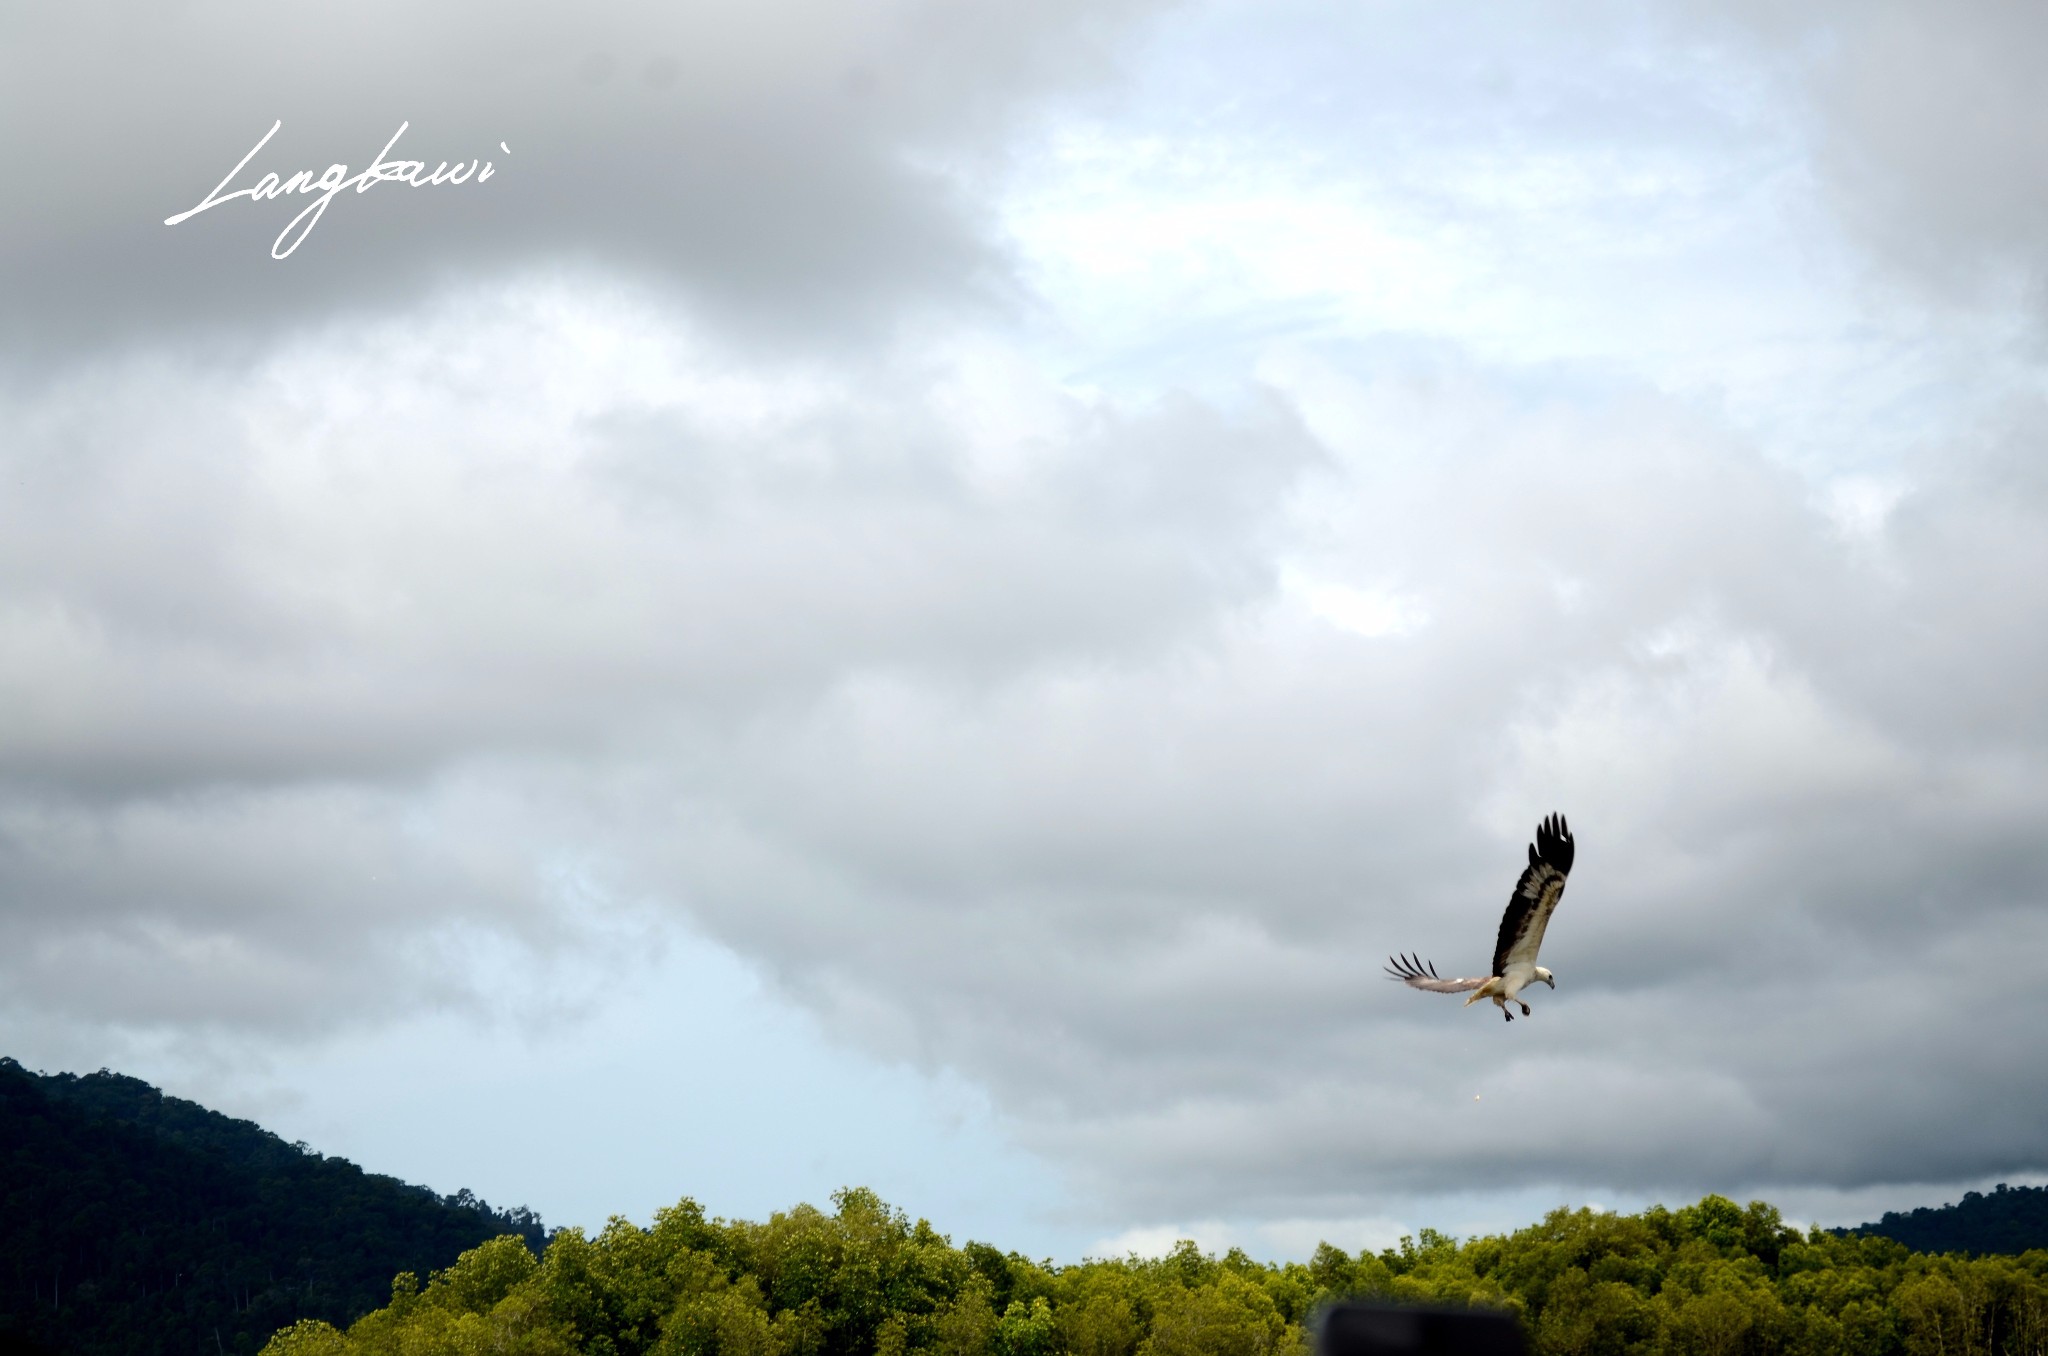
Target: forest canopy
[{"x": 1710, "y": 1279}]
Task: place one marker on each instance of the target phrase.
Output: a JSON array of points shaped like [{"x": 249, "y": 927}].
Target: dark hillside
[
  {"x": 135, "y": 1223},
  {"x": 2009, "y": 1220}
]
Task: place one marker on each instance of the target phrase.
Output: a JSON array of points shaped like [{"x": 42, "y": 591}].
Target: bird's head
[{"x": 1546, "y": 976}]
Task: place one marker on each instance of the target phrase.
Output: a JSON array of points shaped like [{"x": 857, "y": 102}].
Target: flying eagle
[{"x": 1521, "y": 929}]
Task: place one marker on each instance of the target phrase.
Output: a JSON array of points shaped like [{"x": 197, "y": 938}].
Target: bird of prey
[{"x": 1521, "y": 930}]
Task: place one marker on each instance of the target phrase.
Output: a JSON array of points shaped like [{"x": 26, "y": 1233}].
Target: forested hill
[
  {"x": 2009, "y": 1220},
  {"x": 135, "y": 1223}
]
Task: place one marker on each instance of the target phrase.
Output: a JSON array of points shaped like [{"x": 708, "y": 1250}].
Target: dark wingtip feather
[
  {"x": 1404, "y": 967},
  {"x": 1554, "y": 845}
]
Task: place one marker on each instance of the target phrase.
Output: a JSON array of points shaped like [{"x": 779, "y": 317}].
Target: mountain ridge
[
  {"x": 133, "y": 1222},
  {"x": 2007, "y": 1221}
]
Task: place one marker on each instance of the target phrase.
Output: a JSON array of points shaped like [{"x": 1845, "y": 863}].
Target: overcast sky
[{"x": 918, "y": 594}]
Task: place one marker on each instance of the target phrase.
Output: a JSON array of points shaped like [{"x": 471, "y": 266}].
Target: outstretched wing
[
  {"x": 1536, "y": 895},
  {"x": 1422, "y": 975}
]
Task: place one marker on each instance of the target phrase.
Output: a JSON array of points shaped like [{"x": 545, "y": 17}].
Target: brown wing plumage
[
  {"x": 1417, "y": 974},
  {"x": 1536, "y": 895}
]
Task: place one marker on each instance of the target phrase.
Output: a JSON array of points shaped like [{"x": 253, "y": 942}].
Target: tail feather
[{"x": 1486, "y": 990}]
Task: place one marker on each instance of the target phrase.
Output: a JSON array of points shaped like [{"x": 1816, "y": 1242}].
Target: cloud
[
  {"x": 794, "y": 169},
  {"x": 253, "y": 605},
  {"x": 1166, "y": 937},
  {"x": 1006, "y": 747},
  {"x": 1090, "y": 736},
  {"x": 1931, "y": 135}
]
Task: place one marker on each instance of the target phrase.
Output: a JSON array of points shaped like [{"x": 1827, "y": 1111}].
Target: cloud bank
[{"x": 1017, "y": 701}]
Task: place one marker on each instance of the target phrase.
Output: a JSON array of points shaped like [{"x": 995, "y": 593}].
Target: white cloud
[
  {"x": 1159, "y": 1240},
  {"x": 1369, "y": 612},
  {"x": 1860, "y": 505}
]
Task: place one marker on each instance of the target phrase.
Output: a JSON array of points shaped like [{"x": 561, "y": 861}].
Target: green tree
[
  {"x": 307, "y": 1337},
  {"x": 720, "y": 1320},
  {"x": 1103, "y": 1324},
  {"x": 1716, "y": 1323},
  {"x": 1229, "y": 1316},
  {"x": 967, "y": 1325},
  {"x": 483, "y": 1275},
  {"x": 1934, "y": 1316},
  {"x": 1585, "y": 1317},
  {"x": 1026, "y": 1330}
]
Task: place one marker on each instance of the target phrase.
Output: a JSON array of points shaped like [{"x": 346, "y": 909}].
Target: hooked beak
[{"x": 1551, "y": 980}]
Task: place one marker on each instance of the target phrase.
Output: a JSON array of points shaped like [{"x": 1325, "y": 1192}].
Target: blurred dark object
[{"x": 1399, "y": 1330}]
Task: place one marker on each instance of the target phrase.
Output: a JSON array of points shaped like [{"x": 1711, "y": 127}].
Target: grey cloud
[
  {"x": 1005, "y": 744},
  {"x": 791, "y": 168},
  {"x": 294, "y": 909},
  {"x": 199, "y": 598},
  {"x": 1004, "y": 727},
  {"x": 1932, "y": 133},
  {"x": 307, "y": 613},
  {"x": 1169, "y": 887}
]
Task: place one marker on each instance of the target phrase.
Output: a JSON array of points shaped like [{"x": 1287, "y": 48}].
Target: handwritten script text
[{"x": 329, "y": 183}]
